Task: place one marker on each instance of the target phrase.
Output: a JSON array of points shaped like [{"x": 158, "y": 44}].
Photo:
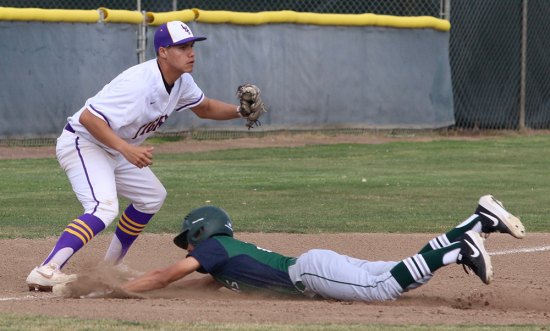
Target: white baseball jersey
[{"x": 135, "y": 104}]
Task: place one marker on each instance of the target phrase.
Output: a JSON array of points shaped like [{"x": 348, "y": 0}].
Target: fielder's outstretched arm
[{"x": 216, "y": 110}]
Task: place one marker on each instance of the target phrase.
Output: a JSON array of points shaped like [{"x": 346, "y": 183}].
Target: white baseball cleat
[
  {"x": 43, "y": 278},
  {"x": 498, "y": 219}
]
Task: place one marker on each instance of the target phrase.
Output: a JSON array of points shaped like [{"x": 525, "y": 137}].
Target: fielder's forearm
[
  {"x": 101, "y": 131},
  {"x": 216, "y": 110},
  {"x": 139, "y": 156}
]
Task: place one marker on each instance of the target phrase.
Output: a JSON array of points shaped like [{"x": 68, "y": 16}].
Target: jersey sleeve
[
  {"x": 117, "y": 102},
  {"x": 211, "y": 255},
  {"x": 191, "y": 96}
]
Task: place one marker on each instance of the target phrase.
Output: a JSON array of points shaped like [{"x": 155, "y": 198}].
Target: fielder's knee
[
  {"x": 106, "y": 212},
  {"x": 151, "y": 203}
]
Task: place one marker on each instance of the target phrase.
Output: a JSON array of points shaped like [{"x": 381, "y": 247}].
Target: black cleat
[
  {"x": 474, "y": 256},
  {"x": 498, "y": 219}
]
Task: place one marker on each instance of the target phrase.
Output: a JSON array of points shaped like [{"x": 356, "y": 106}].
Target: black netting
[
  {"x": 485, "y": 62},
  {"x": 485, "y": 53},
  {"x": 537, "y": 101},
  {"x": 388, "y": 7},
  {"x": 485, "y": 47}
]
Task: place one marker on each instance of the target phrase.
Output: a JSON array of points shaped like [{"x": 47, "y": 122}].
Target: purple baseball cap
[{"x": 174, "y": 33}]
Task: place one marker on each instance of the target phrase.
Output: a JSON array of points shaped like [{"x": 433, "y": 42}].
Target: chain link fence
[
  {"x": 385, "y": 7},
  {"x": 497, "y": 83},
  {"x": 537, "y": 90},
  {"x": 498, "y": 49},
  {"x": 485, "y": 54}
]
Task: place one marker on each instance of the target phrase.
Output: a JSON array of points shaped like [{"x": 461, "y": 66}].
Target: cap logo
[
  {"x": 178, "y": 31},
  {"x": 185, "y": 28}
]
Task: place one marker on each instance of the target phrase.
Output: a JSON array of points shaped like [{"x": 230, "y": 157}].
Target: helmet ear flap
[{"x": 197, "y": 235}]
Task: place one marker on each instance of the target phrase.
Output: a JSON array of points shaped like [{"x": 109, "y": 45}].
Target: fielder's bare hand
[{"x": 140, "y": 156}]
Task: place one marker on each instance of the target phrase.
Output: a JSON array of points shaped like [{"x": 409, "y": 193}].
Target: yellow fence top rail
[
  {"x": 186, "y": 15},
  {"x": 48, "y": 15},
  {"x": 222, "y": 17},
  {"x": 120, "y": 16},
  {"x": 289, "y": 16}
]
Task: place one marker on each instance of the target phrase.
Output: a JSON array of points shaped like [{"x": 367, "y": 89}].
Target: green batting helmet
[{"x": 202, "y": 223}]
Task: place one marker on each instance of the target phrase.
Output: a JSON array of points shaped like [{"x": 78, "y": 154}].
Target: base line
[
  {"x": 521, "y": 250},
  {"x": 26, "y": 297}
]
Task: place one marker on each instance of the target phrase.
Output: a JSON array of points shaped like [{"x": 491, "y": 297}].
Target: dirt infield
[
  {"x": 271, "y": 140},
  {"x": 519, "y": 294}
]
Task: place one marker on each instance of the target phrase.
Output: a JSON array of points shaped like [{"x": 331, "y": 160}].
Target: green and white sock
[
  {"x": 444, "y": 240},
  {"x": 418, "y": 269}
]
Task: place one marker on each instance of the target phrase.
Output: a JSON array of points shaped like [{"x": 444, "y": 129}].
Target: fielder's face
[{"x": 179, "y": 57}]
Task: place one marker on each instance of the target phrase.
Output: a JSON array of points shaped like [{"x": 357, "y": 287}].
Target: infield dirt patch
[
  {"x": 519, "y": 293},
  {"x": 270, "y": 140}
]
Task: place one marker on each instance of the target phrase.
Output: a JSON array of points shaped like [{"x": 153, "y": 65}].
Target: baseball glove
[{"x": 251, "y": 105}]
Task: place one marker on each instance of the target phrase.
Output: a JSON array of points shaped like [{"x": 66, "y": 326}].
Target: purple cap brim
[
  {"x": 188, "y": 40},
  {"x": 166, "y": 38}
]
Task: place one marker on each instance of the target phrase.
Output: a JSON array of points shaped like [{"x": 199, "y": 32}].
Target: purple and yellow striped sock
[
  {"x": 77, "y": 234},
  {"x": 129, "y": 227}
]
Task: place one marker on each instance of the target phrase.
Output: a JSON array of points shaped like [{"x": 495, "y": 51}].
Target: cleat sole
[{"x": 39, "y": 288}]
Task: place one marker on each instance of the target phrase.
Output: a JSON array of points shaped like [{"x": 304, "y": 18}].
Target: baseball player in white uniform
[{"x": 99, "y": 149}]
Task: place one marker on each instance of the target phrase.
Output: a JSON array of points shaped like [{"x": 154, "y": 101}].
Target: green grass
[
  {"x": 394, "y": 187},
  {"x": 12, "y": 322}
]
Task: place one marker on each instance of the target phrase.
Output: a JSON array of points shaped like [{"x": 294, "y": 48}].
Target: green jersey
[{"x": 244, "y": 267}]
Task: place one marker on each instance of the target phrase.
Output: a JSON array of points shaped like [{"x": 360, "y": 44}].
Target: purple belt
[{"x": 69, "y": 128}]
